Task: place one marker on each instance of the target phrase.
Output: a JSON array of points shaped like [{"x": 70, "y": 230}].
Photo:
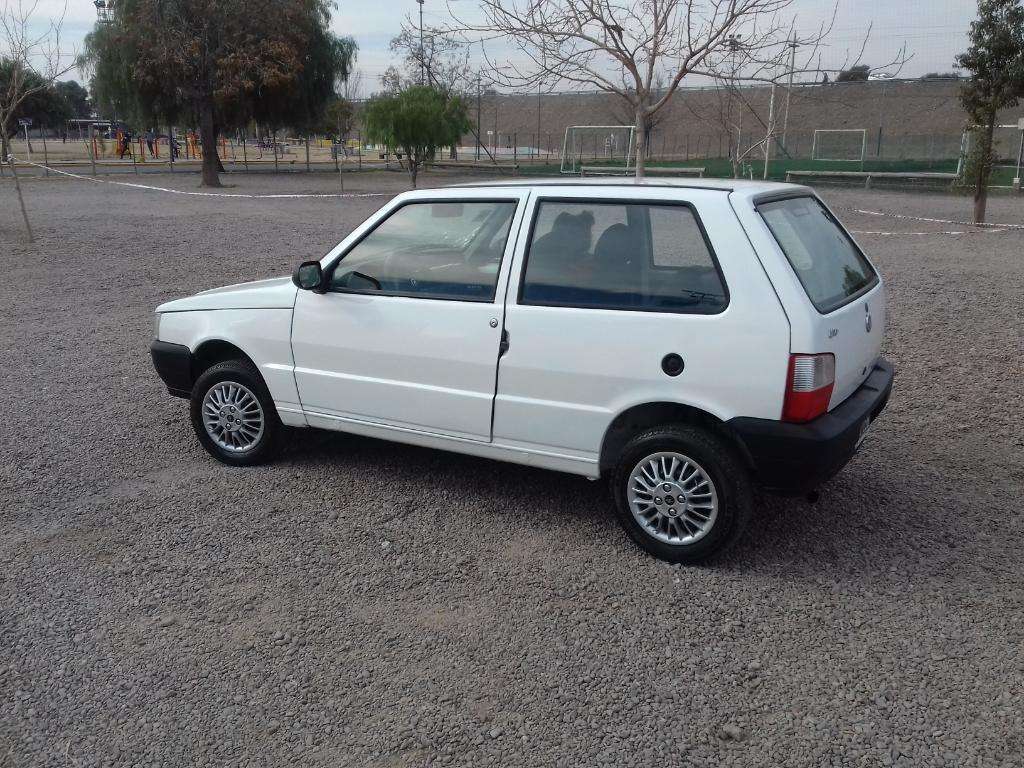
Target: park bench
[
  {"x": 868, "y": 176},
  {"x": 484, "y": 165},
  {"x": 607, "y": 170}
]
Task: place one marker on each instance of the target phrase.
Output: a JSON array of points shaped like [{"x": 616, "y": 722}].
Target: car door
[
  {"x": 407, "y": 331},
  {"x": 611, "y": 283}
]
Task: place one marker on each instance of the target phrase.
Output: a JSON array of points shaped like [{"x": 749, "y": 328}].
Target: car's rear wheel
[
  {"x": 233, "y": 414},
  {"x": 681, "y": 493}
]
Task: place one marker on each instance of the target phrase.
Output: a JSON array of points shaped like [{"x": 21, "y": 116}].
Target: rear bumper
[
  {"x": 174, "y": 364},
  {"x": 796, "y": 458}
]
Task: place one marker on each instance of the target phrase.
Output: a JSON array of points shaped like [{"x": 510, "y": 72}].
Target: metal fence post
[
  {"x": 46, "y": 156},
  {"x": 307, "y": 153},
  {"x": 245, "y": 156},
  {"x": 92, "y": 149}
]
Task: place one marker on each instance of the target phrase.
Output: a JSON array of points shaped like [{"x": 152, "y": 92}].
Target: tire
[
  {"x": 247, "y": 434},
  {"x": 711, "y": 516}
]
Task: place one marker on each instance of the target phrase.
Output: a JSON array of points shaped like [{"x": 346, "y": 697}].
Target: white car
[{"x": 689, "y": 341}]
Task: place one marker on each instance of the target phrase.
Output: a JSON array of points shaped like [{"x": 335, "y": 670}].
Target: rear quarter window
[{"x": 830, "y": 267}]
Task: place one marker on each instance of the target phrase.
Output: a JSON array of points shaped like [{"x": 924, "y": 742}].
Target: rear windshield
[{"x": 830, "y": 267}]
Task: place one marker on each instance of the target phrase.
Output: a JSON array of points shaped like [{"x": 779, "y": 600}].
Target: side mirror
[{"x": 309, "y": 275}]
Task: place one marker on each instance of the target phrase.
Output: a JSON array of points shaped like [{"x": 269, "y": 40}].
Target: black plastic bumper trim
[
  {"x": 174, "y": 364},
  {"x": 796, "y": 458}
]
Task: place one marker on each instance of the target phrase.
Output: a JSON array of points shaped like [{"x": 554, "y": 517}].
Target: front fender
[{"x": 264, "y": 335}]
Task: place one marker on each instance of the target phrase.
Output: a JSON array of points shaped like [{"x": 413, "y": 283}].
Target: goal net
[
  {"x": 1007, "y": 145},
  {"x": 840, "y": 145},
  {"x": 598, "y": 149}
]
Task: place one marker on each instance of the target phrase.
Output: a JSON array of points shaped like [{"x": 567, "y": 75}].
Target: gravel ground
[{"x": 359, "y": 603}]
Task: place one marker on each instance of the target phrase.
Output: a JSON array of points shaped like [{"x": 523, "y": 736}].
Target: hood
[{"x": 277, "y": 293}]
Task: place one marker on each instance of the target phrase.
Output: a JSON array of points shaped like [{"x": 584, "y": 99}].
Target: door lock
[{"x": 494, "y": 322}]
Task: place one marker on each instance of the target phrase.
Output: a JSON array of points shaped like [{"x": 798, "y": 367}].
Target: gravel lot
[{"x": 359, "y": 603}]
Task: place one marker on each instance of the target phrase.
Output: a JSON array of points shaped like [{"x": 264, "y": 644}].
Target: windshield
[{"x": 830, "y": 267}]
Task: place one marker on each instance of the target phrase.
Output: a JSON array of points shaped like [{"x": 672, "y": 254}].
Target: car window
[
  {"x": 825, "y": 260},
  {"x": 639, "y": 256},
  {"x": 439, "y": 250}
]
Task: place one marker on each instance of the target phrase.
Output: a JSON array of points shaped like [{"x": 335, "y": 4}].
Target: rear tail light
[{"x": 808, "y": 386}]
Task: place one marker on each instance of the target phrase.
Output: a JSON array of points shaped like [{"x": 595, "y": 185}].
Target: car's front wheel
[
  {"x": 681, "y": 493},
  {"x": 233, "y": 413}
]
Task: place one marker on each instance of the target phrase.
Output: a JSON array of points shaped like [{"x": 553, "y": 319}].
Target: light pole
[
  {"x": 792, "y": 45},
  {"x": 734, "y": 45},
  {"x": 423, "y": 63}
]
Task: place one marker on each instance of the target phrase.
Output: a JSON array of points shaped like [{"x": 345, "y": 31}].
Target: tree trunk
[
  {"x": 17, "y": 187},
  {"x": 208, "y": 133},
  {"x": 414, "y": 168},
  {"x": 641, "y": 142},
  {"x": 984, "y": 170}
]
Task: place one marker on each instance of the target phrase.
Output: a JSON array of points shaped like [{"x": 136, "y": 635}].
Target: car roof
[{"x": 747, "y": 187}]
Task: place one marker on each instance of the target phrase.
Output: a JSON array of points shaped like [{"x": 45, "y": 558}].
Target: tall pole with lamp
[
  {"x": 423, "y": 62},
  {"x": 792, "y": 45}
]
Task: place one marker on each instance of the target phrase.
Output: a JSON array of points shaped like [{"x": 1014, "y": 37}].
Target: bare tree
[
  {"x": 624, "y": 113},
  {"x": 621, "y": 46},
  {"x": 33, "y": 62},
  {"x": 443, "y": 58},
  {"x": 352, "y": 86}
]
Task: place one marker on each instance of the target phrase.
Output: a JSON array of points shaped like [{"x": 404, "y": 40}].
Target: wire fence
[{"x": 883, "y": 126}]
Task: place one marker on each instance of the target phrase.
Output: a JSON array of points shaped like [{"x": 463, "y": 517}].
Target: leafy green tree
[
  {"x": 111, "y": 78},
  {"x": 417, "y": 120},
  {"x": 42, "y": 102},
  {"x": 75, "y": 97},
  {"x": 338, "y": 117},
  {"x": 995, "y": 60},
  {"x": 303, "y": 104},
  {"x": 218, "y": 62},
  {"x": 856, "y": 74}
]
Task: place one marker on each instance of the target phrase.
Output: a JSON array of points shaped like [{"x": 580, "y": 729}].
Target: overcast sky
[{"x": 934, "y": 30}]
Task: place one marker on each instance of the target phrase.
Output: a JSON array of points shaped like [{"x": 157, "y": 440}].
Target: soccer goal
[
  {"x": 606, "y": 149},
  {"x": 845, "y": 145},
  {"x": 1007, "y": 147}
]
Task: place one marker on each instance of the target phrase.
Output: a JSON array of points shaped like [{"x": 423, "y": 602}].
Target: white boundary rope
[
  {"x": 994, "y": 226},
  {"x": 991, "y": 227},
  {"x": 936, "y": 232},
  {"x": 152, "y": 188}
]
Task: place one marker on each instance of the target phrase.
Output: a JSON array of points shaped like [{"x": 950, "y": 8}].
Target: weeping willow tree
[
  {"x": 217, "y": 63},
  {"x": 417, "y": 120}
]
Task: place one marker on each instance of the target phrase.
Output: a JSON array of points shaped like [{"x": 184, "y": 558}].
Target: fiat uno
[{"x": 690, "y": 342}]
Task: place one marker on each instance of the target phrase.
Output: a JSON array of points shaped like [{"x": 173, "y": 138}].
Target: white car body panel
[
  {"x": 842, "y": 332},
  {"x": 419, "y": 364},
  {"x": 264, "y": 335},
  {"x": 562, "y": 390},
  {"x": 427, "y": 371},
  {"x": 276, "y": 293}
]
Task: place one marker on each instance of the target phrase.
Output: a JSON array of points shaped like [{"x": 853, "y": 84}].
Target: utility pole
[
  {"x": 771, "y": 131},
  {"x": 792, "y": 45},
  {"x": 423, "y": 62},
  {"x": 537, "y": 150},
  {"x": 735, "y": 45},
  {"x": 478, "y": 125}
]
